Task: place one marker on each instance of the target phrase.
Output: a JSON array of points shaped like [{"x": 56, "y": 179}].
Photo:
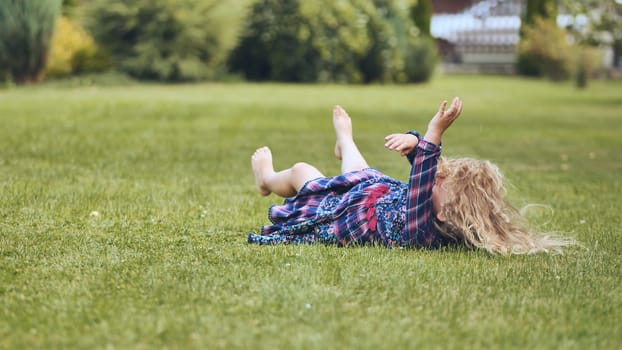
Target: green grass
[{"x": 166, "y": 263}]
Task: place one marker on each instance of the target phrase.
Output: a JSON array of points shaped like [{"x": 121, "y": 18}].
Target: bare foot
[
  {"x": 261, "y": 162},
  {"x": 343, "y": 128}
]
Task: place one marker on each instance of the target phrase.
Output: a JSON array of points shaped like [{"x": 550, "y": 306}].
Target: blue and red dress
[{"x": 360, "y": 207}]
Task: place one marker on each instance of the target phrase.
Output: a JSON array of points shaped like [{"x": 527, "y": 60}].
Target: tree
[
  {"x": 26, "y": 28},
  {"x": 546, "y": 9},
  {"x": 421, "y": 14},
  {"x": 597, "y": 22},
  {"x": 69, "y": 7}
]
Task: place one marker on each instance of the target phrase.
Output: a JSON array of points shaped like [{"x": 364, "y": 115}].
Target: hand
[
  {"x": 442, "y": 120},
  {"x": 403, "y": 143}
]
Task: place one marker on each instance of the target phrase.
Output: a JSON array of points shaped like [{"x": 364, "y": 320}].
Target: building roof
[{"x": 451, "y": 6}]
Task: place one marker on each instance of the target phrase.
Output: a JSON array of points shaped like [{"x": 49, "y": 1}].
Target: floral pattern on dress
[{"x": 354, "y": 208}]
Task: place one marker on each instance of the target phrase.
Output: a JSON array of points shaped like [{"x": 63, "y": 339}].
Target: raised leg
[
  {"x": 285, "y": 183},
  {"x": 345, "y": 149}
]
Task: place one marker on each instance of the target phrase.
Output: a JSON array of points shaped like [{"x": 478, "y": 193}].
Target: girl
[{"x": 445, "y": 200}]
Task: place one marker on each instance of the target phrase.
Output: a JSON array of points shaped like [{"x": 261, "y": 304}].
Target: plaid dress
[{"x": 360, "y": 207}]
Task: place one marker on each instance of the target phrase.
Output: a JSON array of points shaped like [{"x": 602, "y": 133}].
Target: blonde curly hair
[{"x": 478, "y": 213}]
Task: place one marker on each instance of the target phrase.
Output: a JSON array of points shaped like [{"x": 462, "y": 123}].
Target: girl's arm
[
  {"x": 406, "y": 143},
  {"x": 442, "y": 120},
  {"x": 420, "y": 230}
]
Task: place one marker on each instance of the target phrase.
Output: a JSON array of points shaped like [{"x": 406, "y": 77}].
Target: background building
[{"x": 477, "y": 35}]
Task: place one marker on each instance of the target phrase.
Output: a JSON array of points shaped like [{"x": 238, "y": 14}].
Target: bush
[
  {"x": 338, "y": 45},
  {"x": 421, "y": 60},
  {"x": 536, "y": 10},
  {"x": 329, "y": 41},
  {"x": 275, "y": 44},
  {"x": 74, "y": 51},
  {"x": 589, "y": 60},
  {"x": 544, "y": 51},
  {"x": 26, "y": 28},
  {"x": 391, "y": 33},
  {"x": 168, "y": 40},
  {"x": 414, "y": 56}
]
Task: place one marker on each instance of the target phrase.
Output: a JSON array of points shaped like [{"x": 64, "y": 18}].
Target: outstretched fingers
[
  {"x": 443, "y": 120},
  {"x": 460, "y": 107},
  {"x": 441, "y": 109},
  {"x": 455, "y": 107}
]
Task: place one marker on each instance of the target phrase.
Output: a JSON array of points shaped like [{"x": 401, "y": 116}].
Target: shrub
[
  {"x": 338, "y": 34},
  {"x": 545, "y": 47},
  {"x": 536, "y": 10},
  {"x": 26, "y": 28},
  {"x": 169, "y": 40},
  {"x": 74, "y": 51},
  {"x": 338, "y": 41}
]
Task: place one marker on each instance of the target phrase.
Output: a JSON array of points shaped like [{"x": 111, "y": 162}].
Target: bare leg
[
  {"x": 345, "y": 149},
  {"x": 285, "y": 183}
]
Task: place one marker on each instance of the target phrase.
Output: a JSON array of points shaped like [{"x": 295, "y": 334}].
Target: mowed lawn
[{"x": 124, "y": 213}]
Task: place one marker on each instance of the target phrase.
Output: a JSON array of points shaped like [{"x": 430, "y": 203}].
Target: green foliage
[
  {"x": 421, "y": 60},
  {"x": 344, "y": 41},
  {"x": 124, "y": 212},
  {"x": 274, "y": 46},
  {"x": 545, "y": 47},
  {"x": 421, "y": 14},
  {"x": 90, "y": 60},
  {"x": 5, "y": 80},
  {"x": 167, "y": 40},
  {"x": 396, "y": 41},
  {"x": 338, "y": 36},
  {"x": 413, "y": 55},
  {"x": 26, "y": 28}
]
